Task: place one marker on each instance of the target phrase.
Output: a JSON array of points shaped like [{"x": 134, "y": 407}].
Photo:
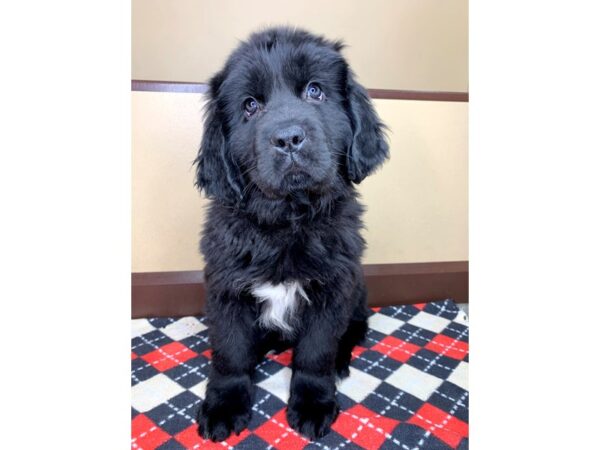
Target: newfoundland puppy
[{"x": 288, "y": 132}]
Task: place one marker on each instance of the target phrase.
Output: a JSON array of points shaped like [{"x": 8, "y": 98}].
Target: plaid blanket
[{"x": 407, "y": 387}]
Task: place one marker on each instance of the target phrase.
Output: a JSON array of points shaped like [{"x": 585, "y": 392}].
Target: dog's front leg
[
  {"x": 312, "y": 406},
  {"x": 228, "y": 402}
]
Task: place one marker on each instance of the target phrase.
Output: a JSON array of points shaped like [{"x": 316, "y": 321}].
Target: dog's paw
[
  {"x": 219, "y": 416},
  {"x": 312, "y": 419}
]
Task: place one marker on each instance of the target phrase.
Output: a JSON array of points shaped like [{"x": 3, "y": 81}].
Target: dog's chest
[{"x": 279, "y": 303}]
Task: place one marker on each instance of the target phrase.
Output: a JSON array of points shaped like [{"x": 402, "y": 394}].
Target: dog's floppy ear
[
  {"x": 216, "y": 173},
  {"x": 369, "y": 148}
]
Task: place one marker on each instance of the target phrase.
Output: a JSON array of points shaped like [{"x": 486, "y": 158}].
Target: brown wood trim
[
  {"x": 436, "y": 96},
  {"x": 398, "y": 284},
  {"x": 168, "y": 86},
  {"x": 156, "y": 294},
  {"x": 392, "y": 94}
]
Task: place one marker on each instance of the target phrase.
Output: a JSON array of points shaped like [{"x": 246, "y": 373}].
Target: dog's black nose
[{"x": 288, "y": 139}]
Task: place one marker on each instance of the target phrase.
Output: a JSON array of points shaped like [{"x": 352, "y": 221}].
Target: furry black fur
[{"x": 288, "y": 131}]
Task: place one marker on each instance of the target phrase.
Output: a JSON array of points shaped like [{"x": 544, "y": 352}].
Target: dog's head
[{"x": 286, "y": 114}]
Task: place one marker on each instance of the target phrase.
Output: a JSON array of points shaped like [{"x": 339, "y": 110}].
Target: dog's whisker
[{"x": 250, "y": 169}]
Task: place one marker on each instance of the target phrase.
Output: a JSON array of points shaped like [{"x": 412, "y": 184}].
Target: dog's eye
[
  {"x": 314, "y": 92},
  {"x": 250, "y": 106}
]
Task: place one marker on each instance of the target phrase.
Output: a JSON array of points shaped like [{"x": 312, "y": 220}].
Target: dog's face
[
  {"x": 288, "y": 125},
  {"x": 285, "y": 114}
]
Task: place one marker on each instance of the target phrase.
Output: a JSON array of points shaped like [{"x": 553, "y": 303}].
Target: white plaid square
[
  {"x": 358, "y": 385},
  {"x": 153, "y": 392},
  {"x": 429, "y": 322},
  {"x": 184, "y": 328},
  {"x": 140, "y": 326},
  {"x": 278, "y": 384},
  {"x": 462, "y": 318},
  {"x": 415, "y": 382},
  {"x": 199, "y": 389},
  {"x": 384, "y": 324},
  {"x": 460, "y": 376}
]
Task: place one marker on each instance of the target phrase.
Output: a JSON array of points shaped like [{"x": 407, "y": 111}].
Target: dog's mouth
[
  {"x": 295, "y": 178},
  {"x": 278, "y": 175}
]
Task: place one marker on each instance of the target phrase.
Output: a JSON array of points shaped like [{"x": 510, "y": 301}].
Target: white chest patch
[{"x": 280, "y": 301}]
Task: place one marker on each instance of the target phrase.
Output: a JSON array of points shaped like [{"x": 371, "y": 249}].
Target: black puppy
[{"x": 288, "y": 131}]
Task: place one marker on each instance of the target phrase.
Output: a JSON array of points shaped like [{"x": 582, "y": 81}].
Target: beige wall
[
  {"x": 392, "y": 44},
  {"x": 416, "y": 204}
]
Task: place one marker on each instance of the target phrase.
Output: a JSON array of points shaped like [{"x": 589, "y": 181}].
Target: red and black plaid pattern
[{"x": 407, "y": 387}]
